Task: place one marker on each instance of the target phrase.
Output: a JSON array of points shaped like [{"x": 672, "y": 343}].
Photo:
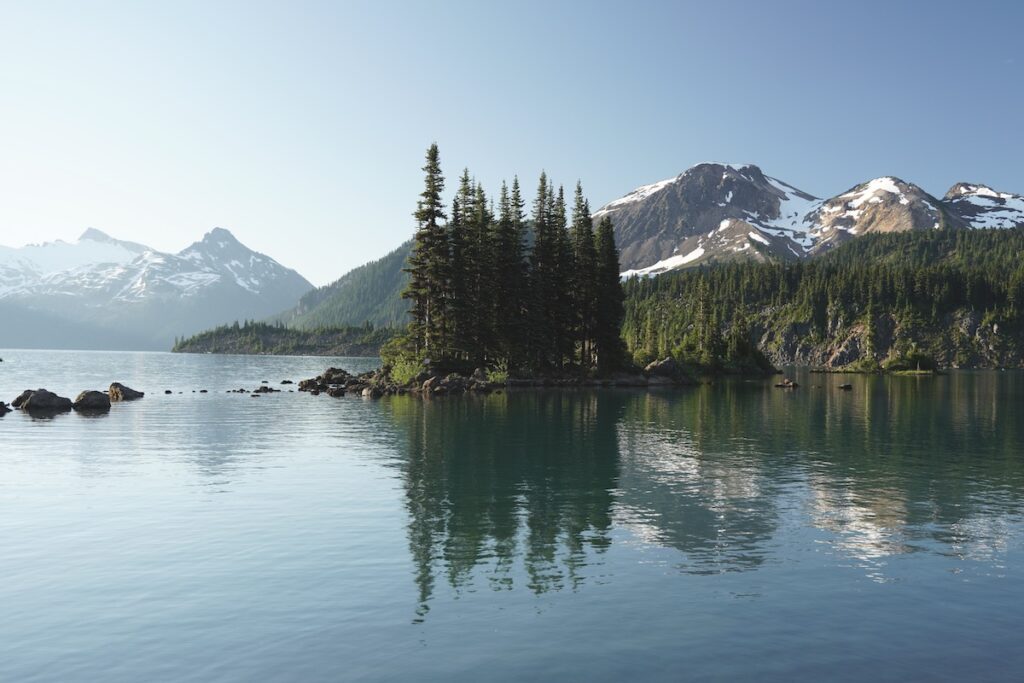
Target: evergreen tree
[
  {"x": 428, "y": 263},
  {"x": 608, "y": 306},
  {"x": 562, "y": 318},
  {"x": 460, "y": 276},
  {"x": 510, "y": 277},
  {"x": 583, "y": 285},
  {"x": 543, "y": 267}
]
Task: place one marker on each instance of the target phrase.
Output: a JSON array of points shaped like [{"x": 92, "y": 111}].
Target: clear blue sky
[{"x": 301, "y": 126}]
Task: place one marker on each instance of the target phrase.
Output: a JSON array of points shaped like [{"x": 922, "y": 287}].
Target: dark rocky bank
[{"x": 336, "y": 382}]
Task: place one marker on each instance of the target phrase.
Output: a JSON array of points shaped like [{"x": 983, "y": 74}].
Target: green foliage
[
  {"x": 275, "y": 339},
  {"x": 370, "y": 293},
  {"x": 399, "y": 354},
  {"x": 911, "y": 362},
  {"x": 922, "y": 286},
  {"x": 481, "y": 298}
]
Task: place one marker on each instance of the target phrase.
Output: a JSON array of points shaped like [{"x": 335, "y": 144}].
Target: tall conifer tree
[
  {"x": 609, "y": 311},
  {"x": 428, "y": 263},
  {"x": 582, "y": 290}
]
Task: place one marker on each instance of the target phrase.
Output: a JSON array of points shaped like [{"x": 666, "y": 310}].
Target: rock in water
[
  {"x": 21, "y": 398},
  {"x": 119, "y": 392},
  {"x": 92, "y": 402},
  {"x": 43, "y": 401},
  {"x": 4, "y": 409}
]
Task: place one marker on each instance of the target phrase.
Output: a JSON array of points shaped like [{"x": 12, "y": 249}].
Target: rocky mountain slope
[
  {"x": 100, "y": 292},
  {"x": 721, "y": 212}
]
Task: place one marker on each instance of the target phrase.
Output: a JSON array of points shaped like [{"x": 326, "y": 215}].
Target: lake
[{"x": 727, "y": 532}]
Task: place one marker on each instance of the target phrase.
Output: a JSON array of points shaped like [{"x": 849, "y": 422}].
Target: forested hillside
[
  {"x": 954, "y": 295},
  {"x": 371, "y": 293},
  {"x": 263, "y": 338}
]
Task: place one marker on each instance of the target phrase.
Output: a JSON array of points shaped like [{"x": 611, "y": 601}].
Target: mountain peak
[
  {"x": 95, "y": 235},
  {"x": 220, "y": 235},
  {"x": 976, "y": 190}
]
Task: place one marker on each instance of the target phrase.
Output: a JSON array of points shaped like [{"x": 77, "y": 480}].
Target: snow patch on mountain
[
  {"x": 54, "y": 257},
  {"x": 671, "y": 263},
  {"x": 983, "y": 207},
  {"x": 639, "y": 194}
]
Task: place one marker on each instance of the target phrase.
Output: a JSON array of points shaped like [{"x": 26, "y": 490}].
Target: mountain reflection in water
[{"x": 529, "y": 489}]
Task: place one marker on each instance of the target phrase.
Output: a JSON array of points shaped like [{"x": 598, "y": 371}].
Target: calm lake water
[{"x": 731, "y": 532}]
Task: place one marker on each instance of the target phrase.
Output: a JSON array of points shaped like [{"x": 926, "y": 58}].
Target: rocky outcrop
[
  {"x": 119, "y": 392},
  {"x": 41, "y": 401},
  {"x": 92, "y": 402},
  {"x": 962, "y": 339}
]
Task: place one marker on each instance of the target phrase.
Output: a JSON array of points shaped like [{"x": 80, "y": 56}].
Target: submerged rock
[{"x": 92, "y": 402}]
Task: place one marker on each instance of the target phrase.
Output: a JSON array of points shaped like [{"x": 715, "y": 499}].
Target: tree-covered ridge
[
  {"x": 275, "y": 339},
  {"x": 482, "y": 294},
  {"x": 956, "y": 296},
  {"x": 370, "y": 294}
]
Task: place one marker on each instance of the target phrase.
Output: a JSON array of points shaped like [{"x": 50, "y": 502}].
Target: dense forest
[
  {"x": 371, "y": 293},
  {"x": 276, "y": 339},
  {"x": 953, "y": 297},
  {"x": 482, "y": 294}
]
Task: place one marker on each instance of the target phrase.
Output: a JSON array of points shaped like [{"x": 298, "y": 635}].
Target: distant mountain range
[
  {"x": 100, "y": 292},
  {"x": 723, "y": 212}
]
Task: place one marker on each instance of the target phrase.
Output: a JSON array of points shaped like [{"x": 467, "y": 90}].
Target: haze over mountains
[
  {"x": 101, "y": 292},
  {"x": 105, "y": 293}
]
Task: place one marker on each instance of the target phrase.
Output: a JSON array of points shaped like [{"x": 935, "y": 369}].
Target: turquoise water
[{"x": 729, "y": 532}]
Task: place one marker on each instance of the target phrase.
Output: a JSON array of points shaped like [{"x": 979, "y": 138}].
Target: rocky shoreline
[{"x": 336, "y": 382}]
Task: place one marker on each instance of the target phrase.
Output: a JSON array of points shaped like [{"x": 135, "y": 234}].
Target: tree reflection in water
[{"x": 528, "y": 489}]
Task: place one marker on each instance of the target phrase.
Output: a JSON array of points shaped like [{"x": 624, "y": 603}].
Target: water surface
[{"x": 732, "y": 532}]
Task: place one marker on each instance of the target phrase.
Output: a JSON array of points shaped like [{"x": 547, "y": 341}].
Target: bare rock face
[
  {"x": 723, "y": 212},
  {"x": 119, "y": 392},
  {"x": 41, "y": 401},
  {"x": 881, "y": 205},
  {"x": 663, "y": 222},
  {"x": 92, "y": 402}
]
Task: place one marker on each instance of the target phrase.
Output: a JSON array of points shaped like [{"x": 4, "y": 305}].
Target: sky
[{"x": 301, "y": 126}]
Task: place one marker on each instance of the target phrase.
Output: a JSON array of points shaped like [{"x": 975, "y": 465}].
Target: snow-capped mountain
[
  {"x": 107, "y": 293},
  {"x": 982, "y": 207},
  {"x": 721, "y": 212}
]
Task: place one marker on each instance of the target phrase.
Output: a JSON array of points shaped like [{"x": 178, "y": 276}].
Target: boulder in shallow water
[
  {"x": 119, "y": 392},
  {"x": 21, "y": 398},
  {"x": 92, "y": 402},
  {"x": 4, "y": 409},
  {"x": 43, "y": 401}
]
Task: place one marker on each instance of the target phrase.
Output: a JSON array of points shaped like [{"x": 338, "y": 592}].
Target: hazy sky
[{"x": 301, "y": 126}]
